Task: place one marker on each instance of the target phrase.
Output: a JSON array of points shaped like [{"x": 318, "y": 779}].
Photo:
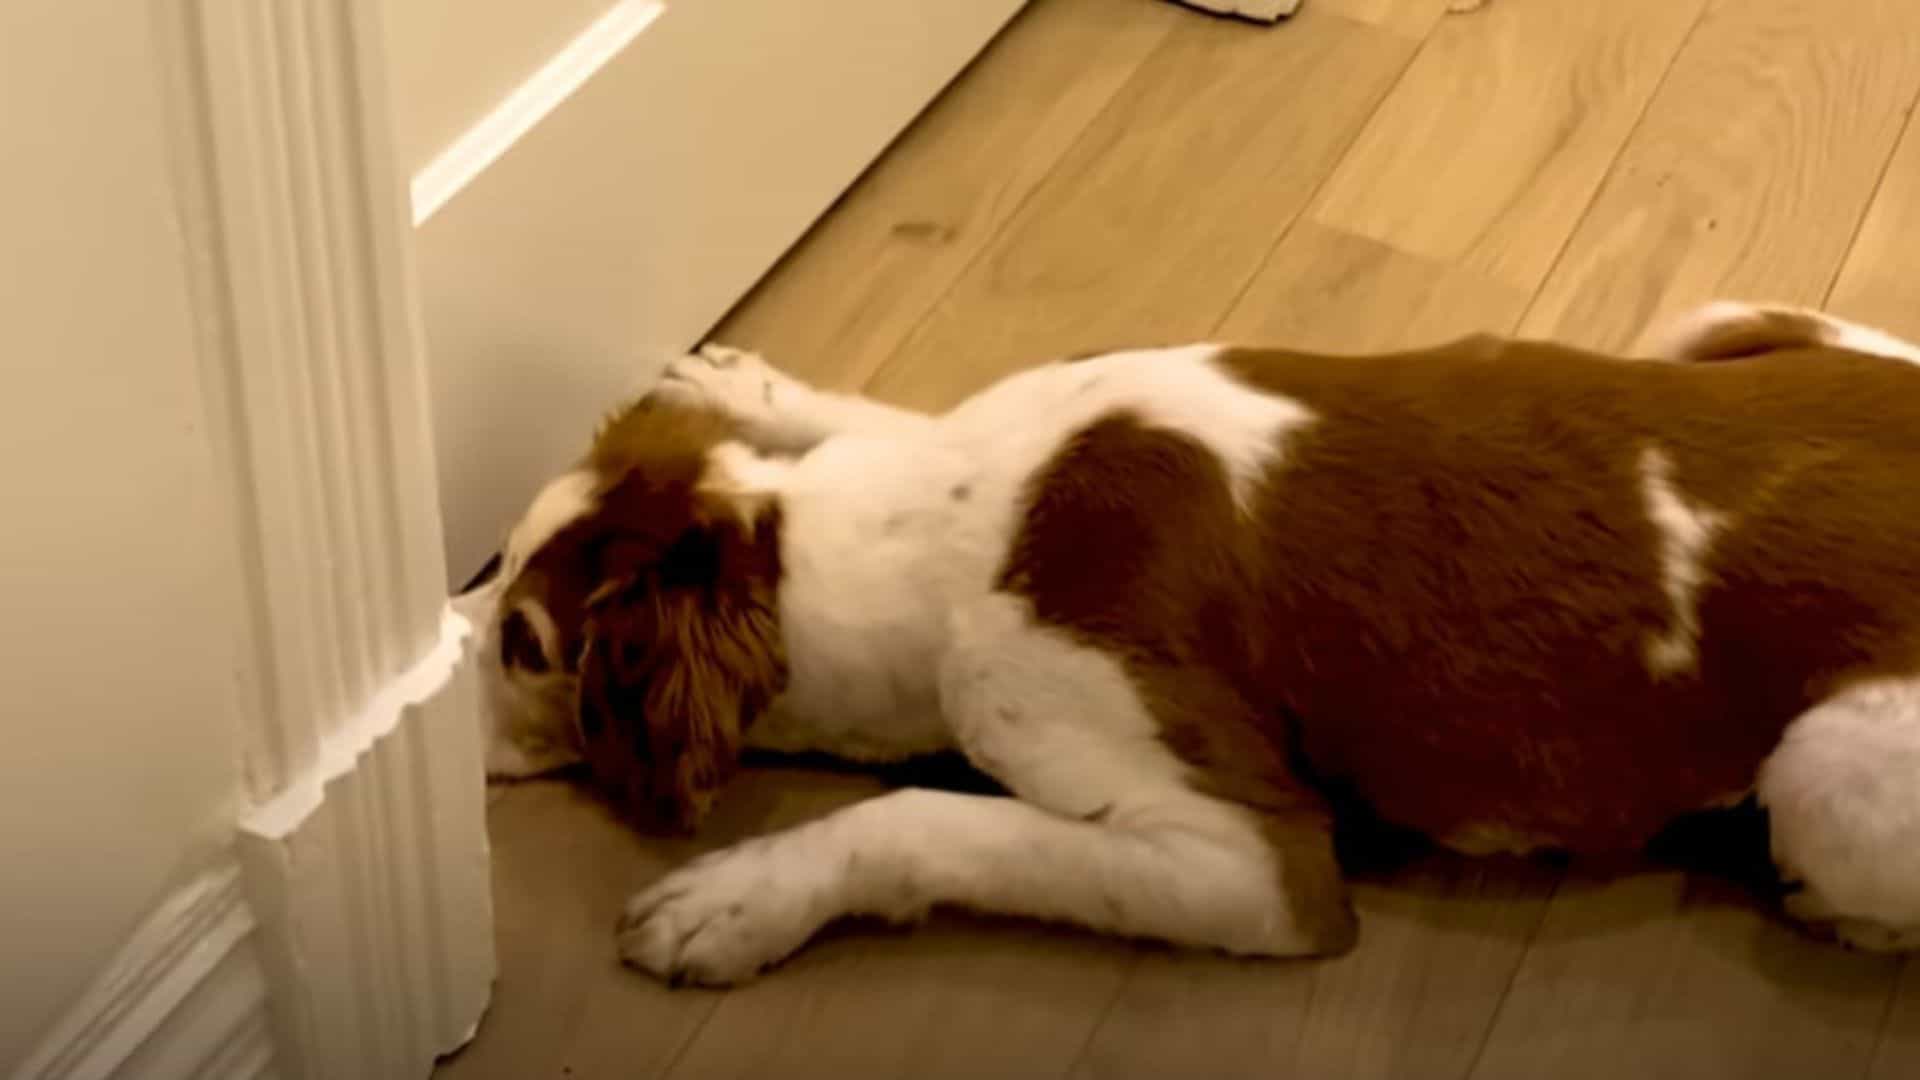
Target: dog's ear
[{"x": 678, "y": 658}]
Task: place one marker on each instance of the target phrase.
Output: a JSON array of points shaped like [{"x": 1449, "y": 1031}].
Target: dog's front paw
[
  {"x": 725, "y": 917},
  {"x": 739, "y": 383}
]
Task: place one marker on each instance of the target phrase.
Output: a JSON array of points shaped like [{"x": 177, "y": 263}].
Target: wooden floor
[{"x": 1375, "y": 173}]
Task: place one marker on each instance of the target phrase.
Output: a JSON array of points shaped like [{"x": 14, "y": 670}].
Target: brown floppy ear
[{"x": 678, "y": 659}]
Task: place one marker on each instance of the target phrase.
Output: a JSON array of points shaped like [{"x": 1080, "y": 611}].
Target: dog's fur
[{"x": 1509, "y": 595}]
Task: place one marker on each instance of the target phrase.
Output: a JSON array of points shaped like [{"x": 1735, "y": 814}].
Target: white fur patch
[
  {"x": 1242, "y": 426},
  {"x": 777, "y": 411},
  {"x": 1180, "y": 389},
  {"x": 1842, "y": 793},
  {"x": 1686, "y": 533},
  {"x": 744, "y": 478},
  {"x": 1028, "y": 701},
  {"x": 1865, "y": 339}
]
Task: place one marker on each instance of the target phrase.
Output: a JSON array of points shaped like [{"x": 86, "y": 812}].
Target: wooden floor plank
[
  {"x": 1749, "y": 172},
  {"x": 847, "y": 296},
  {"x": 1446, "y": 940},
  {"x": 1439, "y": 942},
  {"x": 562, "y": 866},
  {"x": 1880, "y": 281},
  {"x": 1897, "y": 1057},
  {"x": 1412, "y": 18},
  {"x": 1510, "y": 121},
  {"x": 1330, "y": 291},
  {"x": 953, "y": 999},
  {"x": 1196, "y": 1014},
  {"x": 1164, "y": 211},
  {"x": 1663, "y": 974}
]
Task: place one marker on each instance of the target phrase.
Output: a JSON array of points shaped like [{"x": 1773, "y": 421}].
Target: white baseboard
[
  {"x": 369, "y": 877},
  {"x": 185, "y": 997},
  {"x": 346, "y": 897}
]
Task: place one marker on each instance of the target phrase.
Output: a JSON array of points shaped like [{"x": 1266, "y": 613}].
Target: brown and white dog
[{"x": 1511, "y": 595}]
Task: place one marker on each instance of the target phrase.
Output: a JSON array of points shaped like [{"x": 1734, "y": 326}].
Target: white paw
[
  {"x": 725, "y": 917},
  {"x": 739, "y": 383}
]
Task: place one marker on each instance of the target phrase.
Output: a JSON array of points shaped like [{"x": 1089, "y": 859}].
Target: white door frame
[
  {"x": 365, "y": 861},
  {"x": 349, "y": 933}
]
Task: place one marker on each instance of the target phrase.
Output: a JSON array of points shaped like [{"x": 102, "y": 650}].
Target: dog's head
[{"x": 632, "y": 623}]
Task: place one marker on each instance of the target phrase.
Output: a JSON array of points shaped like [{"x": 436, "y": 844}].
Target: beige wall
[
  {"x": 454, "y": 60},
  {"x": 120, "y": 772}
]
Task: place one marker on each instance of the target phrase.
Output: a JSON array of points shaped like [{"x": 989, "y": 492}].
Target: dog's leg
[
  {"x": 1108, "y": 832},
  {"x": 781, "y": 413},
  {"x": 1216, "y": 841},
  {"x": 1842, "y": 794}
]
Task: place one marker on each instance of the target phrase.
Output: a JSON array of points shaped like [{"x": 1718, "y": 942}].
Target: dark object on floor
[
  {"x": 944, "y": 772},
  {"x": 1730, "y": 844}
]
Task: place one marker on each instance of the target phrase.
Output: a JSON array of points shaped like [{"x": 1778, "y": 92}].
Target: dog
[{"x": 1513, "y": 596}]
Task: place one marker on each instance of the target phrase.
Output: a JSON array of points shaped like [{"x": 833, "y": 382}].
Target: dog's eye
[{"x": 520, "y": 646}]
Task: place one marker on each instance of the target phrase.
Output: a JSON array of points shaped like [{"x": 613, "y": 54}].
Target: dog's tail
[{"x": 1732, "y": 330}]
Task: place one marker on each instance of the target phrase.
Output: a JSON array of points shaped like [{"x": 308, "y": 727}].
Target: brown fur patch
[
  {"x": 1467, "y": 534},
  {"x": 1442, "y": 602},
  {"x": 1109, "y": 551},
  {"x": 671, "y": 678},
  {"x": 663, "y": 603},
  {"x": 1238, "y": 759}
]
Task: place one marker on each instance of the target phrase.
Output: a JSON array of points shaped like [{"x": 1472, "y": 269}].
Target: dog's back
[{"x": 1516, "y": 595}]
